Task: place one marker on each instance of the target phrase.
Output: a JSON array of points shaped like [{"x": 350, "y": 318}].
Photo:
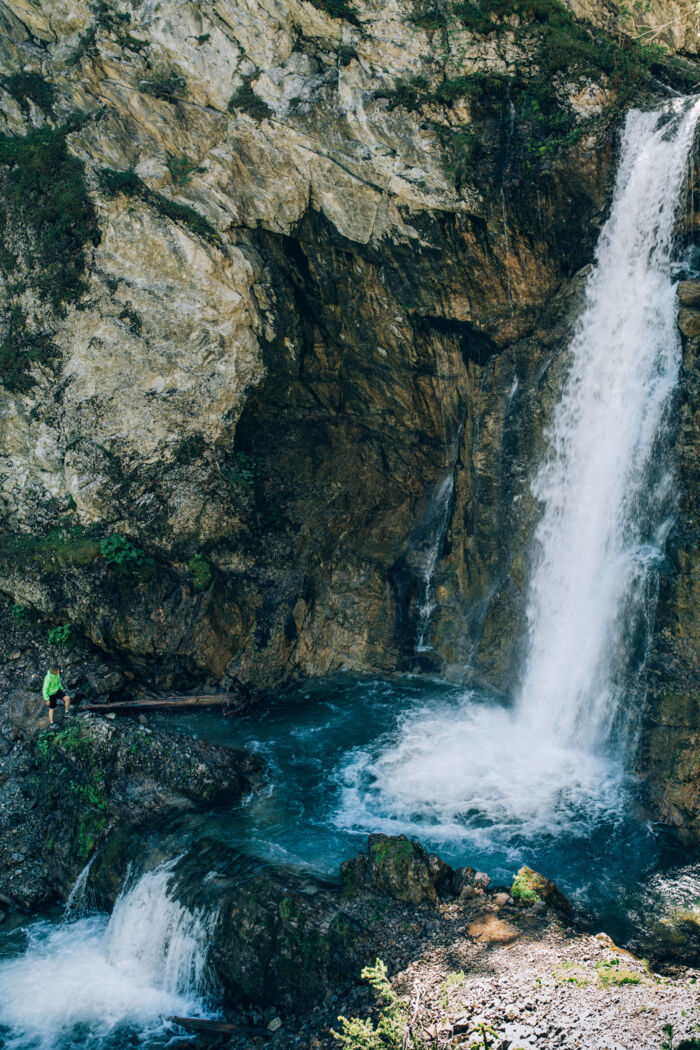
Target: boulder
[
  {"x": 396, "y": 867},
  {"x": 529, "y": 887}
]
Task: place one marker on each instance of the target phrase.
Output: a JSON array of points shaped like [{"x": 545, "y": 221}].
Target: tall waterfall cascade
[
  {"x": 605, "y": 498},
  {"x": 474, "y": 772}
]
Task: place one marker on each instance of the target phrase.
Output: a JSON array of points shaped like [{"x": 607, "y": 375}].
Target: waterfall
[
  {"x": 605, "y": 497},
  {"x": 438, "y": 519},
  {"x": 490, "y": 777},
  {"x": 146, "y": 962}
]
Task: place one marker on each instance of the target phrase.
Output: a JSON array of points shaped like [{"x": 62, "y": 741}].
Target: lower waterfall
[{"x": 145, "y": 962}]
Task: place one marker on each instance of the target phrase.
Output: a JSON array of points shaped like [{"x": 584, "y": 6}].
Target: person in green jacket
[{"x": 52, "y": 692}]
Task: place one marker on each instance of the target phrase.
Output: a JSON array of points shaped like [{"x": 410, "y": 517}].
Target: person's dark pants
[{"x": 60, "y": 694}]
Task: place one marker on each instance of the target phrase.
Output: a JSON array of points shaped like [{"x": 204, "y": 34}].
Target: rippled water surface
[{"x": 347, "y": 757}]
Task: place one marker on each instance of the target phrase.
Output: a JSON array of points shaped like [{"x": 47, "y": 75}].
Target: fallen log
[
  {"x": 201, "y": 1024},
  {"x": 169, "y": 703}
]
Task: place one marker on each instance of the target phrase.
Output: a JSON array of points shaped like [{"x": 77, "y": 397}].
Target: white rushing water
[
  {"x": 603, "y": 508},
  {"x": 81, "y": 982},
  {"x": 479, "y": 772}
]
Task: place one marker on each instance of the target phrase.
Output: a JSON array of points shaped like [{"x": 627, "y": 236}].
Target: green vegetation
[
  {"x": 125, "y": 558},
  {"x": 346, "y": 53},
  {"x": 43, "y": 192},
  {"x": 20, "y": 348},
  {"x": 128, "y": 183},
  {"x": 181, "y": 169},
  {"x": 685, "y": 1044},
  {"x": 18, "y": 613},
  {"x": 73, "y": 784},
  {"x": 337, "y": 9},
  {"x": 611, "y": 974},
  {"x": 202, "y": 575},
  {"x": 242, "y": 472},
  {"x": 46, "y": 222},
  {"x": 26, "y": 87},
  {"x": 485, "y": 1036},
  {"x": 390, "y": 1032},
  {"x": 132, "y": 319},
  {"x": 453, "y": 981},
  {"x": 244, "y": 98},
  {"x": 86, "y": 46},
  {"x": 61, "y": 637},
  {"x": 531, "y": 103},
  {"x": 189, "y": 449},
  {"x": 167, "y": 84},
  {"x": 57, "y": 549},
  {"x": 525, "y": 887},
  {"x": 568, "y": 972}
]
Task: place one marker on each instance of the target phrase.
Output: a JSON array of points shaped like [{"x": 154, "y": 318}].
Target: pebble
[{"x": 275, "y": 1024}]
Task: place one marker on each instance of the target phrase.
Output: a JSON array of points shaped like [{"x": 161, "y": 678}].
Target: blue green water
[{"x": 348, "y": 756}]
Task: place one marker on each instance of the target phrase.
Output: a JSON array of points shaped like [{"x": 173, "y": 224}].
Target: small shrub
[
  {"x": 410, "y": 94},
  {"x": 203, "y": 37},
  {"x": 18, "y": 613},
  {"x": 336, "y": 9},
  {"x": 125, "y": 182},
  {"x": 168, "y": 85},
  {"x": 189, "y": 449},
  {"x": 241, "y": 472},
  {"x": 452, "y": 981},
  {"x": 31, "y": 86},
  {"x": 202, "y": 575},
  {"x": 43, "y": 194},
  {"x": 121, "y": 553},
  {"x": 346, "y": 54},
  {"x": 132, "y": 319},
  {"x": 61, "y": 637},
  {"x": 128, "y": 183},
  {"x": 86, "y": 46},
  {"x": 20, "y": 348},
  {"x": 244, "y": 98},
  {"x": 390, "y": 1032},
  {"x": 181, "y": 169}
]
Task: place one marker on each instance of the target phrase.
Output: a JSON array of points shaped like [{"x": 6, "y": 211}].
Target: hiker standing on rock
[{"x": 53, "y": 691}]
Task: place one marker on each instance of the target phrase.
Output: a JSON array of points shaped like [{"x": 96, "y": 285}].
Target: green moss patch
[
  {"x": 129, "y": 184},
  {"x": 202, "y": 575}
]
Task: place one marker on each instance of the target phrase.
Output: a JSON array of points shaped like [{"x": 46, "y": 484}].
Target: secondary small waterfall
[
  {"x": 146, "y": 962},
  {"x": 605, "y": 497}
]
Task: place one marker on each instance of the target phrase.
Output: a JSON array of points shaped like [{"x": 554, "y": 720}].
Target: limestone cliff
[{"x": 318, "y": 258}]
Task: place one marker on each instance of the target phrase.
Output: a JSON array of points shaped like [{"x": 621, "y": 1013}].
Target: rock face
[
  {"x": 670, "y": 748},
  {"x": 89, "y": 777},
  {"x": 294, "y": 278}
]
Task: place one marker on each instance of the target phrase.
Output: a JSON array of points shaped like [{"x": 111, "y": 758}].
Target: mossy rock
[
  {"x": 202, "y": 575},
  {"x": 529, "y": 887}
]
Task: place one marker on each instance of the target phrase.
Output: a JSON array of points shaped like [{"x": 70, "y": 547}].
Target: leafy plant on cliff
[
  {"x": 47, "y": 221},
  {"x": 181, "y": 169},
  {"x": 61, "y": 637},
  {"x": 531, "y": 102},
  {"x": 244, "y": 98},
  {"x": 72, "y": 784},
  {"x": 125, "y": 558},
  {"x": 390, "y": 1032}
]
